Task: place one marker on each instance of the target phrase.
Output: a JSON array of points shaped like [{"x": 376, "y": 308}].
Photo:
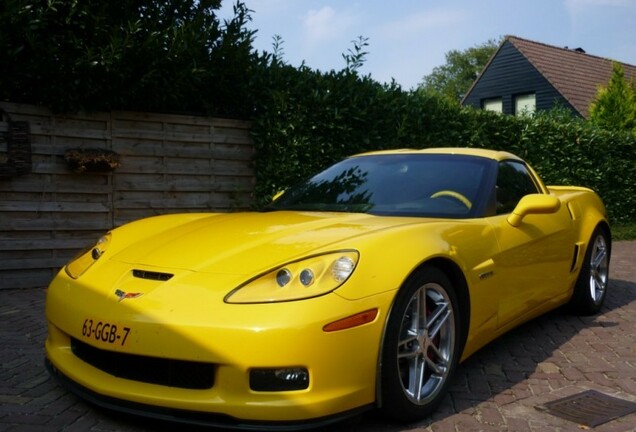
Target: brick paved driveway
[{"x": 495, "y": 390}]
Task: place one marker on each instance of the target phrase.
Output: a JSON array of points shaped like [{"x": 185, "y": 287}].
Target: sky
[{"x": 408, "y": 38}]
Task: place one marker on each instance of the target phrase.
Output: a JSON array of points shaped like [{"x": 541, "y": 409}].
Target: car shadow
[{"x": 494, "y": 372}]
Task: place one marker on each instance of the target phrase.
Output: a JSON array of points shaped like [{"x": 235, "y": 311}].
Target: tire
[
  {"x": 590, "y": 289},
  {"x": 421, "y": 346}
]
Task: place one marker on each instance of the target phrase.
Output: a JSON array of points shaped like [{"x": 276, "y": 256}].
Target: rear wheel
[
  {"x": 591, "y": 286},
  {"x": 421, "y": 347}
]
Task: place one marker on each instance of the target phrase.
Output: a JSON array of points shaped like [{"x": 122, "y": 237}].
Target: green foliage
[
  {"x": 175, "y": 55},
  {"x": 309, "y": 119},
  {"x": 306, "y": 120},
  {"x": 356, "y": 57},
  {"x": 624, "y": 231},
  {"x": 129, "y": 54},
  {"x": 454, "y": 78},
  {"x": 572, "y": 151},
  {"x": 615, "y": 105}
]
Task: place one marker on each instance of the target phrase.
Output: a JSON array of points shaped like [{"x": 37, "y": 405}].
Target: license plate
[{"x": 105, "y": 332}]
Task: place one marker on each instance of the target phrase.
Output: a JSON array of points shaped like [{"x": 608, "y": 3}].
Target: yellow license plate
[{"x": 106, "y": 332}]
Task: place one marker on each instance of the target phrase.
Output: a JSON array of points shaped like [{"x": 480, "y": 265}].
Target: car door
[{"x": 534, "y": 258}]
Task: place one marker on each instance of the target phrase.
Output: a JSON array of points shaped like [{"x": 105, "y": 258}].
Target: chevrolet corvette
[{"x": 363, "y": 287}]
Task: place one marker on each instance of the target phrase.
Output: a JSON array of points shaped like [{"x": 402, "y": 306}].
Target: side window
[{"x": 513, "y": 183}]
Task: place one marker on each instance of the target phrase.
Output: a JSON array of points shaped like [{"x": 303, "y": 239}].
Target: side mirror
[{"x": 533, "y": 204}]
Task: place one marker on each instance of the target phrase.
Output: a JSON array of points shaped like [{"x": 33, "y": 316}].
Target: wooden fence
[{"x": 168, "y": 164}]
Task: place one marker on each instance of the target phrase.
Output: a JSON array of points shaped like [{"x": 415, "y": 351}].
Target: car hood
[{"x": 249, "y": 243}]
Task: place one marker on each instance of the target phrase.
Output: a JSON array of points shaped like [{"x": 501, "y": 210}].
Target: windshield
[{"x": 432, "y": 185}]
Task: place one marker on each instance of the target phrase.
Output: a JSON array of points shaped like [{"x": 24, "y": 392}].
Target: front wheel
[
  {"x": 591, "y": 286},
  {"x": 421, "y": 346}
]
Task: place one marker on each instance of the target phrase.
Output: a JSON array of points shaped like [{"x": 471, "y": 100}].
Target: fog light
[{"x": 276, "y": 380}]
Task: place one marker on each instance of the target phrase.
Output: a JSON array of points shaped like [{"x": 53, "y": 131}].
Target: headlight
[
  {"x": 298, "y": 280},
  {"x": 87, "y": 257}
]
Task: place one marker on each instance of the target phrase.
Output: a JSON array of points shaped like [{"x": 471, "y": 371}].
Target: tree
[
  {"x": 615, "y": 105},
  {"x": 454, "y": 78},
  {"x": 168, "y": 55}
]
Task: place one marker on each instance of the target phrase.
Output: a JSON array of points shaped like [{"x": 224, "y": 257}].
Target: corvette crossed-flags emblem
[{"x": 122, "y": 295}]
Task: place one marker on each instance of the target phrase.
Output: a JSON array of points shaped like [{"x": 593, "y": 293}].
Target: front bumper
[
  {"x": 233, "y": 338},
  {"x": 192, "y": 417}
]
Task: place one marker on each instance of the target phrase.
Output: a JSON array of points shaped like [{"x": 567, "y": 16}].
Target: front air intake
[
  {"x": 158, "y": 276},
  {"x": 153, "y": 370}
]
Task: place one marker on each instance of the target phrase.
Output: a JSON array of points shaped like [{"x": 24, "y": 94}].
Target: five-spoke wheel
[{"x": 421, "y": 346}]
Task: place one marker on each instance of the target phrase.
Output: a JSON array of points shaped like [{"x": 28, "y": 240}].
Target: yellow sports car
[{"x": 362, "y": 287}]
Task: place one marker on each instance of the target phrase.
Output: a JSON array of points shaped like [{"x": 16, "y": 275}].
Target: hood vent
[{"x": 144, "y": 274}]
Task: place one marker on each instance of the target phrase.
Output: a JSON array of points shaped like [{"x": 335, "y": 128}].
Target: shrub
[{"x": 307, "y": 119}]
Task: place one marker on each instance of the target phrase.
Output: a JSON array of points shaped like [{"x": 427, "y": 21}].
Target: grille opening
[
  {"x": 158, "y": 276},
  {"x": 153, "y": 370}
]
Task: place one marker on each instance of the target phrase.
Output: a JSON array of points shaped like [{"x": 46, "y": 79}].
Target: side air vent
[
  {"x": 575, "y": 258},
  {"x": 144, "y": 274}
]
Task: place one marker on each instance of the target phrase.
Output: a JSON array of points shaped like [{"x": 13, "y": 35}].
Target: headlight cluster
[
  {"x": 87, "y": 257},
  {"x": 298, "y": 280}
]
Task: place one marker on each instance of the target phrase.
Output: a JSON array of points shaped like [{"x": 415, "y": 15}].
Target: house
[{"x": 525, "y": 76}]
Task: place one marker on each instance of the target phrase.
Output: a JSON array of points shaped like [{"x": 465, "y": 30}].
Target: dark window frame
[{"x": 508, "y": 196}]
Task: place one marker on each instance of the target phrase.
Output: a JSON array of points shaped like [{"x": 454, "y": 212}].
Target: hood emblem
[{"x": 122, "y": 295}]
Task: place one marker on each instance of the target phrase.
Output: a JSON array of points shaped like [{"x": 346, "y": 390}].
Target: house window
[
  {"x": 525, "y": 104},
  {"x": 493, "y": 104}
]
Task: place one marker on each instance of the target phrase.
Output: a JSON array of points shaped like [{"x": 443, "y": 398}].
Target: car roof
[{"x": 484, "y": 153}]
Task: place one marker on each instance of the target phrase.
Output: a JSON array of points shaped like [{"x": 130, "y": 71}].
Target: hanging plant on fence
[{"x": 81, "y": 160}]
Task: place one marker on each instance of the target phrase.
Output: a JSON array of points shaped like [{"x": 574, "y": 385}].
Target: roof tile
[{"x": 576, "y": 75}]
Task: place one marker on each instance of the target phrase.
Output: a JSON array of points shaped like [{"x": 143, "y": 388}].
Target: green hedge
[
  {"x": 306, "y": 120},
  {"x": 574, "y": 152}
]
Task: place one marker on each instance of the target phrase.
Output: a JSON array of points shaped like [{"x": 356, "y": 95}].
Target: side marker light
[{"x": 352, "y": 321}]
